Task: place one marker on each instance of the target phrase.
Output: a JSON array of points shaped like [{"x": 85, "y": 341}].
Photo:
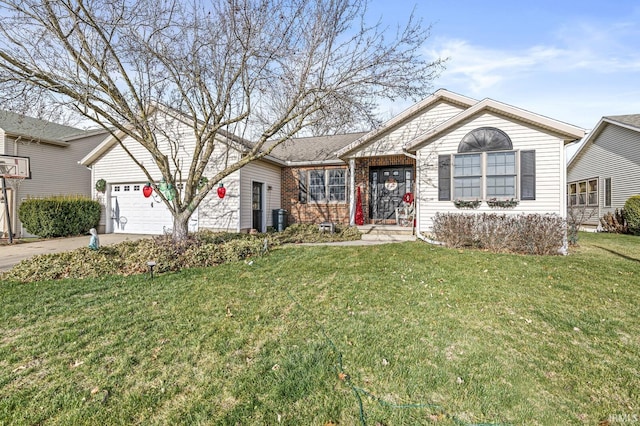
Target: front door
[
  {"x": 388, "y": 186},
  {"x": 256, "y": 206}
]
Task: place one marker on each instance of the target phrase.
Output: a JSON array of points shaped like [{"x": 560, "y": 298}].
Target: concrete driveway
[{"x": 11, "y": 254}]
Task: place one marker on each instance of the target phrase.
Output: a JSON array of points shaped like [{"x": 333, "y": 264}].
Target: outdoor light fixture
[{"x": 151, "y": 264}]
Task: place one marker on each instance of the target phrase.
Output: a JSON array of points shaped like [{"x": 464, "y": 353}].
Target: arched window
[
  {"x": 485, "y": 139},
  {"x": 485, "y": 167}
]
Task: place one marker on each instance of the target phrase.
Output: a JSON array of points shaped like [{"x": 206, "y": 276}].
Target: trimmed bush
[
  {"x": 59, "y": 216},
  {"x": 632, "y": 214},
  {"x": 527, "y": 234}
]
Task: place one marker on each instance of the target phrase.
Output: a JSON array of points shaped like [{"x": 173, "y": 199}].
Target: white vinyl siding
[
  {"x": 270, "y": 175},
  {"x": 116, "y": 167},
  {"x": 393, "y": 142},
  {"x": 549, "y": 166},
  {"x": 54, "y": 170},
  {"x": 613, "y": 154}
]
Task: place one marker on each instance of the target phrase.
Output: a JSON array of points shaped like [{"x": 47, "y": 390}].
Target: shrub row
[
  {"x": 59, "y": 216},
  {"x": 202, "y": 249},
  {"x": 527, "y": 233},
  {"x": 131, "y": 257}
]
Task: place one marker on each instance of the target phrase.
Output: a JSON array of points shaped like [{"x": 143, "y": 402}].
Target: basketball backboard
[{"x": 14, "y": 167}]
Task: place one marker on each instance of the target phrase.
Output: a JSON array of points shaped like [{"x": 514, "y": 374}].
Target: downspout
[{"x": 352, "y": 192}]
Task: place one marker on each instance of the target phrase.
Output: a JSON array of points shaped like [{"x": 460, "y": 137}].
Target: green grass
[{"x": 426, "y": 335}]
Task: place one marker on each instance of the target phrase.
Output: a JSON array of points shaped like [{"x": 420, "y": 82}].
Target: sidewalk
[{"x": 11, "y": 254}]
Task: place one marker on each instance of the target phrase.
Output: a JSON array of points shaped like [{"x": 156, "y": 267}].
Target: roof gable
[
  {"x": 565, "y": 131},
  {"x": 111, "y": 140},
  {"x": 631, "y": 122},
  {"x": 440, "y": 96}
]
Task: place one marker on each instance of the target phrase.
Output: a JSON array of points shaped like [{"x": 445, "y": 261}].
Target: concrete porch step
[{"x": 386, "y": 233}]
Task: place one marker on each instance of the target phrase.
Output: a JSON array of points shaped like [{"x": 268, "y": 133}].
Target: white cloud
[{"x": 577, "y": 49}]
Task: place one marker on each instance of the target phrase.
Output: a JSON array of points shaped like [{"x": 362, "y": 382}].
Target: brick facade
[{"x": 313, "y": 212}]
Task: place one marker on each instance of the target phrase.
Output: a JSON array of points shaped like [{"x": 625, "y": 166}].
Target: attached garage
[{"x": 132, "y": 213}]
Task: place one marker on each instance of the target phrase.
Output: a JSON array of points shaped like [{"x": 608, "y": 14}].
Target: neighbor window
[
  {"x": 607, "y": 192},
  {"x": 323, "y": 185},
  {"x": 583, "y": 193}
]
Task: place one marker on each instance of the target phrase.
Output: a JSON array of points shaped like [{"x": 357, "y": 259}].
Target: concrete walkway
[{"x": 11, "y": 254}]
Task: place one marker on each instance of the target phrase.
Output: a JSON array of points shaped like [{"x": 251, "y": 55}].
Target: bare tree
[{"x": 260, "y": 69}]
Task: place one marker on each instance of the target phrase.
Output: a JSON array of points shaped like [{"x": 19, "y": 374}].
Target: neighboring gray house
[
  {"x": 605, "y": 171},
  {"x": 54, "y": 151}
]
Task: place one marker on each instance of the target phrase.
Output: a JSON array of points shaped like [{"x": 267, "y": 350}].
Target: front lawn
[{"x": 397, "y": 334}]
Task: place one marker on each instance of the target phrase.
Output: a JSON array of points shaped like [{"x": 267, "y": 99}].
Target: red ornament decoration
[
  {"x": 408, "y": 198},
  {"x": 221, "y": 191},
  {"x": 359, "y": 219},
  {"x": 147, "y": 190}
]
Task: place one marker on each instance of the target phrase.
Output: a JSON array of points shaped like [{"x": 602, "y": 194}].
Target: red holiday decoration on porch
[
  {"x": 221, "y": 191},
  {"x": 147, "y": 190},
  {"x": 359, "y": 216}
]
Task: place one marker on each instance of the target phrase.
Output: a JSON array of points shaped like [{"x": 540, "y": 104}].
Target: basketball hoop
[{"x": 13, "y": 171}]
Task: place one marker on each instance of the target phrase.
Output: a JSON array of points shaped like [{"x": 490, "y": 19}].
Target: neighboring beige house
[
  {"x": 605, "y": 171},
  {"x": 54, "y": 151},
  {"x": 251, "y": 193}
]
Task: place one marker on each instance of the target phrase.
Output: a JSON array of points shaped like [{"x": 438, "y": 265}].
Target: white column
[{"x": 352, "y": 192}]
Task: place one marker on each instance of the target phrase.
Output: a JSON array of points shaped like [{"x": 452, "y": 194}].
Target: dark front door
[
  {"x": 256, "y": 206},
  {"x": 388, "y": 186}
]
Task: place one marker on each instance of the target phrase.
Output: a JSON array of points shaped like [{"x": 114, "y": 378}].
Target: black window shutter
[
  {"x": 527, "y": 175},
  {"x": 444, "y": 178},
  {"x": 302, "y": 186}
]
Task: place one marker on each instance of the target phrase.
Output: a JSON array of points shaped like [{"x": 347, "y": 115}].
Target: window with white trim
[
  {"x": 487, "y": 167},
  {"x": 501, "y": 174},
  {"x": 467, "y": 176},
  {"x": 583, "y": 193},
  {"x": 323, "y": 186},
  {"x": 485, "y": 175},
  {"x": 607, "y": 192}
]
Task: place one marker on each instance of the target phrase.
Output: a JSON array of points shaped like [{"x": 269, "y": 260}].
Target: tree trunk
[{"x": 180, "y": 227}]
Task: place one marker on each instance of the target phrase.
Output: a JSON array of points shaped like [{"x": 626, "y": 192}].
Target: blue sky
[{"x": 573, "y": 61}]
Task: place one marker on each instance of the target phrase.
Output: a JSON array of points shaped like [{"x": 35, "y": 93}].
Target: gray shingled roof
[
  {"x": 317, "y": 148},
  {"x": 631, "y": 119},
  {"x": 22, "y": 125}
]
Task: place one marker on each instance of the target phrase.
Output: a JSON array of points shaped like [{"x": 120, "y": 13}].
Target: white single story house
[
  {"x": 455, "y": 153},
  {"x": 449, "y": 152},
  {"x": 605, "y": 171}
]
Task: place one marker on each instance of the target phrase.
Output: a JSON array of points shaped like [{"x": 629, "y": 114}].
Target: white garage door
[{"x": 132, "y": 213}]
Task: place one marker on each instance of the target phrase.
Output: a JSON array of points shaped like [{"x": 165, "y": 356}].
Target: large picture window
[
  {"x": 323, "y": 186},
  {"x": 485, "y": 175},
  {"x": 485, "y": 167}
]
